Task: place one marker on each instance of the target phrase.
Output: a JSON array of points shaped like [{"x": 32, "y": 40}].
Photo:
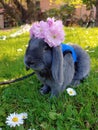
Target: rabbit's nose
[{"x": 30, "y": 63}]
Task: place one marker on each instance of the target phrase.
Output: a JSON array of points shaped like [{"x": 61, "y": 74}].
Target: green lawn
[{"x": 64, "y": 113}]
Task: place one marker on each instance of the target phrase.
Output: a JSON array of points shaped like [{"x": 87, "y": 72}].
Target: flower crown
[{"x": 51, "y": 31}]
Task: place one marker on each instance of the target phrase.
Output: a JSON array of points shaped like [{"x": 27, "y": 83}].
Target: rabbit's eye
[{"x": 46, "y": 48}]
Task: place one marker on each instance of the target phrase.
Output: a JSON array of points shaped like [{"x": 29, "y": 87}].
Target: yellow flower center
[
  {"x": 54, "y": 36},
  {"x": 71, "y": 92},
  {"x": 15, "y": 119}
]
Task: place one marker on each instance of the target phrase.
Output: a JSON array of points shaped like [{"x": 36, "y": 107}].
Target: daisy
[
  {"x": 71, "y": 91},
  {"x": 19, "y": 50},
  {"x": 14, "y": 120},
  {"x": 3, "y": 37},
  {"x": 24, "y": 115},
  {"x": 31, "y": 129}
]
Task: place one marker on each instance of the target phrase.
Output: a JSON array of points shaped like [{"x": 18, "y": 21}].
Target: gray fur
[
  {"x": 82, "y": 66},
  {"x": 57, "y": 65},
  {"x": 53, "y": 69}
]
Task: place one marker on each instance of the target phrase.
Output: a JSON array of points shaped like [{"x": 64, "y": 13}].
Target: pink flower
[
  {"x": 43, "y": 28},
  {"x": 55, "y": 34},
  {"x": 54, "y": 37},
  {"x": 35, "y": 30},
  {"x": 51, "y": 31},
  {"x": 50, "y": 21}
]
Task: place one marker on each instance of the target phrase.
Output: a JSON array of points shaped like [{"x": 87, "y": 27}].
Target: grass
[{"x": 64, "y": 113}]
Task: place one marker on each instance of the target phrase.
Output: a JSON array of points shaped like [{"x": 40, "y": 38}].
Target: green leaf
[
  {"x": 26, "y": 101},
  {"x": 44, "y": 125},
  {"x": 2, "y": 113},
  {"x": 20, "y": 127},
  {"x": 1, "y": 124},
  {"x": 54, "y": 115}
]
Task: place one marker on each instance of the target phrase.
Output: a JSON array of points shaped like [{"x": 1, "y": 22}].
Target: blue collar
[{"x": 71, "y": 49}]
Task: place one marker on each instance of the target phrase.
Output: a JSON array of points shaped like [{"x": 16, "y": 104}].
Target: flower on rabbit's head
[{"x": 50, "y": 31}]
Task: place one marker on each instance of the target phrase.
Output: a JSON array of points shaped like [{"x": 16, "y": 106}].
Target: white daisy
[
  {"x": 19, "y": 50},
  {"x": 31, "y": 129},
  {"x": 71, "y": 91},
  {"x": 3, "y": 37},
  {"x": 14, "y": 119},
  {"x": 24, "y": 115}
]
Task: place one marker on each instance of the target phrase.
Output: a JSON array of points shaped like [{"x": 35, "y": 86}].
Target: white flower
[
  {"x": 24, "y": 115},
  {"x": 13, "y": 35},
  {"x": 14, "y": 119},
  {"x": 19, "y": 50},
  {"x": 71, "y": 91},
  {"x": 26, "y": 45},
  {"x": 3, "y": 37},
  {"x": 31, "y": 129}
]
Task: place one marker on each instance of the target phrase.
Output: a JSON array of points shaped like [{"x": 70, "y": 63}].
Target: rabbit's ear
[{"x": 57, "y": 64}]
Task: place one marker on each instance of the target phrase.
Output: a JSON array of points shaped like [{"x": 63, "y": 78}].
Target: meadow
[{"x": 79, "y": 112}]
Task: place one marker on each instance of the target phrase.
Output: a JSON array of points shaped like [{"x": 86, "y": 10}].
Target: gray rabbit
[{"x": 54, "y": 68}]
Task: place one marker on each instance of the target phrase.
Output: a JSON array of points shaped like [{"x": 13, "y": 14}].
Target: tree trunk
[
  {"x": 22, "y": 10},
  {"x": 11, "y": 11},
  {"x": 31, "y": 10},
  {"x": 96, "y": 13}
]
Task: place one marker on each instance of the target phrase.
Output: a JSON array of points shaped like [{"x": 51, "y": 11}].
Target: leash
[{"x": 17, "y": 79}]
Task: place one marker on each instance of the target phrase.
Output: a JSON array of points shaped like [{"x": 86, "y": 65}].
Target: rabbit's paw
[
  {"x": 75, "y": 82},
  {"x": 45, "y": 90}
]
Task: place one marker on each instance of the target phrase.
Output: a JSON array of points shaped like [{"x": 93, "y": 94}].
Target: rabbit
[{"x": 54, "y": 69}]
